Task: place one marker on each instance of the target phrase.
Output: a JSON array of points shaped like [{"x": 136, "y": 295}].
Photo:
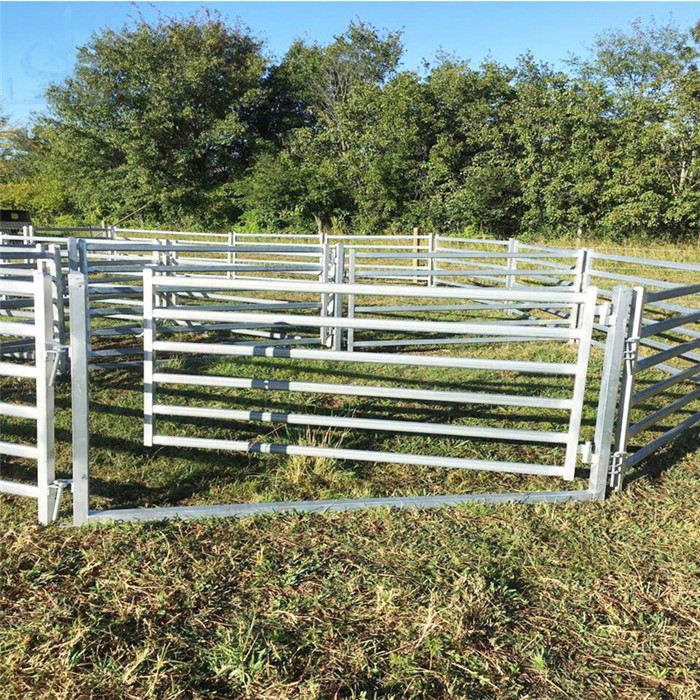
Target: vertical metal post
[
  {"x": 351, "y": 299},
  {"x": 631, "y": 354},
  {"x": 26, "y": 241},
  {"x": 587, "y": 268},
  {"x": 325, "y": 258},
  {"x": 157, "y": 260},
  {"x": 512, "y": 263},
  {"x": 43, "y": 325},
  {"x": 436, "y": 248},
  {"x": 609, "y": 385},
  {"x": 416, "y": 233},
  {"x": 148, "y": 389},
  {"x": 59, "y": 309},
  {"x": 232, "y": 253},
  {"x": 578, "y": 282},
  {"x": 2, "y": 236},
  {"x": 431, "y": 261},
  {"x": 338, "y": 277},
  {"x": 172, "y": 259},
  {"x": 80, "y": 386},
  {"x": 586, "y": 328}
]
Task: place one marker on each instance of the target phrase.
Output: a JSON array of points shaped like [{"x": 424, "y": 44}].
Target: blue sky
[{"x": 38, "y": 39}]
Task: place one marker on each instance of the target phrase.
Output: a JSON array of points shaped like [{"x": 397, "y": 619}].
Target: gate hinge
[
  {"x": 616, "y": 462},
  {"x": 629, "y": 353},
  {"x": 57, "y": 350}
]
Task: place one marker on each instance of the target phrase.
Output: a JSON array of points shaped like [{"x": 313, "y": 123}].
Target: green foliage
[
  {"x": 164, "y": 115},
  {"x": 191, "y": 119}
]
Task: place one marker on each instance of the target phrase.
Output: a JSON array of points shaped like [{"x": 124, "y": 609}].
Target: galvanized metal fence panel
[
  {"x": 645, "y": 356},
  {"x": 113, "y": 271},
  {"x": 155, "y": 316},
  {"x": 39, "y": 330},
  {"x": 106, "y": 289}
]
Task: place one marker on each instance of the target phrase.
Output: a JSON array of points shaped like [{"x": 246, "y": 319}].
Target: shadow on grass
[{"x": 656, "y": 464}]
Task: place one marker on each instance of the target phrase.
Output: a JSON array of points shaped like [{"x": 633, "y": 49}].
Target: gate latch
[
  {"x": 631, "y": 349},
  {"x": 56, "y": 349},
  {"x": 586, "y": 452},
  {"x": 606, "y": 317},
  {"x": 60, "y": 485}
]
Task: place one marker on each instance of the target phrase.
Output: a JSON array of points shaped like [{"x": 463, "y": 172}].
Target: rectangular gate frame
[
  {"x": 639, "y": 330},
  {"x": 599, "y": 458},
  {"x": 46, "y": 356}
]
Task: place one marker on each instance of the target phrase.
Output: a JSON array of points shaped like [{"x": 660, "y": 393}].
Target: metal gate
[
  {"x": 672, "y": 338},
  {"x": 159, "y": 320},
  {"x": 31, "y": 336}
]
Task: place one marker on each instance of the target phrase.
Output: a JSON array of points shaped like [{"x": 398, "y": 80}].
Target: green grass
[{"x": 546, "y": 601}]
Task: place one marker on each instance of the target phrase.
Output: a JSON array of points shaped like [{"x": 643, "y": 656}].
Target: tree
[
  {"x": 314, "y": 155},
  {"x": 163, "y": 114},
  {"x": 563, "y": 138},
  {"x": 650, "y": 74}
]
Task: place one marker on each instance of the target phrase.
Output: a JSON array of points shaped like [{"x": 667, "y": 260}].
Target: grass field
[{"x": 561, "y": 601}]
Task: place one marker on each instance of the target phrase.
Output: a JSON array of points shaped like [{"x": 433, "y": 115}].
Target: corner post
[
  {"x": 609, "y": 385},
  {"x": 631, "y": 355},
  {"x": 43, "y": 325},
  {"x": 80, "y": 383}
]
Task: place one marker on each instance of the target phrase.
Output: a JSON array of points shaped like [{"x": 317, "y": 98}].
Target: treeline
[{"x": 192, "y": 123}]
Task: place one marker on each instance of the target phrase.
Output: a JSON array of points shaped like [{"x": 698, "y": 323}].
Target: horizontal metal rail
[
  {"x": 673, "y": 293},
  {"x": 15, "y": 488},
  {"x": 682, "y": 350},
  {"x": 17, "y": 328},
  {"x": 246, "y": 510},
  {"x": 530, "y": 367},
  {"x": 654, "y": 418},
  {"x": 464, "y": 273},
  {"x": 430, "y": 395},
  {"x": 399, "y": 426},
  {"x": 648, "y": 262},
  {"x": 661, "y": 441},
  {"x": 292, "y": 320},
  {"x": 683, "y": 375},
  {"x": 668, "y": 324},
  {"x": 18, "y": 410},
  {"x": 360, "y": 455},
  {"x": 171, "y": 284}
]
